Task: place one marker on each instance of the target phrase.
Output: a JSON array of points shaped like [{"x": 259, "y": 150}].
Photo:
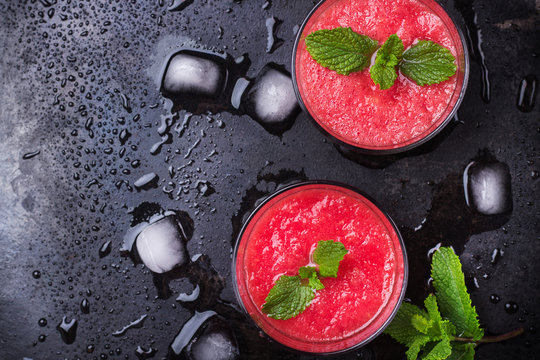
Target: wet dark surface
[{"x": 81, "y": 110}]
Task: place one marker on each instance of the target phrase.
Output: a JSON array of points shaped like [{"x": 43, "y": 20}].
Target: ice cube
[
  {"x": 188, "y": 331},
  {"x": 161, "y": 245},
  {"x": 195, "y": 74},
  {"x": 216, "y": 342},
  {"x": 270, "y": 99},
  {"x": 488, "y": 187}
]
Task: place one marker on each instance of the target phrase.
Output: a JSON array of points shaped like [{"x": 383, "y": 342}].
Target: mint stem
[{"x": 492, "y": 339}]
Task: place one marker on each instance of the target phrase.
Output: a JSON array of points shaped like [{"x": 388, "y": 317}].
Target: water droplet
[
  {"x": 496, "y": 255},
  {"x": 527, "y": 93},
  {"x": 181, "y": 128},
  {"x": 134, "y": 324},
  {"x": 190, "y": 150},
  {"x": 511, "y": 307},
  {"x": 144, "y": 354},
  {"x": 183, "y": 297},
  {"x": 126, "y": 102},
  {"x": 432, "y": 250},
  {"x": 85, "y": 306},
  {"x": 179, "y": 5},
  {"x": 205, "y": 188},
  {"x": 474, "y": 37},
  {"x": 42, "y": 322},
  {"x": 147, "y": 181},
  {"x": 272, "y": 41},
  {"x": 36, "y": 274},
  {"x": 105, "y": 249},
  {"x": 68, "y": 330},
  {"x": 156, "y": 148},
  {"x": 124, "y": 136},
  {"x": 30, "y": 155}
]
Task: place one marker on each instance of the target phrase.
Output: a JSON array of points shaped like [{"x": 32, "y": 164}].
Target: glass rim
[
  {"x": 384, "y": 150},
  {"x": 393, "y": 225}
]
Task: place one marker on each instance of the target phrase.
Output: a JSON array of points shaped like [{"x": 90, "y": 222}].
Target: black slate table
[{"x": 81, "y": 110}]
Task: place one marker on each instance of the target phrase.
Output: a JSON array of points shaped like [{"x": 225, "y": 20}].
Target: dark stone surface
[{"x": 75, "y": 74}]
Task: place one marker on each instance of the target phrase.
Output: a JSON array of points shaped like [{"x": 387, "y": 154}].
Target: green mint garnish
[
  {"x": 428, "y": 63},
  {"x": 344, "y": 51},
  {"x": 383, "y": 72},
  {"x": 452, "y": 295},
  {"x": 327, "y": 255},
  {"x": 341, "y": 49},
  {"x": 290, "y": 295},
  {"x": 310, "y": 273},
  {"x": 448, "y": 328},
  {"x": 305, "y": 272}
]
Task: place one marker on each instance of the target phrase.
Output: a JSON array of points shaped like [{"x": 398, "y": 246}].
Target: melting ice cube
[
  {"x": 214, "y": 346},
  {"x": 161, "y": 245},
  {"x": 193, "y": 73},
  {"x": 217, "y": 342},
  {"x": 188, "y": 331},
  {"x": 488, "y": 187},
  {"x": 270, "y": 99}
]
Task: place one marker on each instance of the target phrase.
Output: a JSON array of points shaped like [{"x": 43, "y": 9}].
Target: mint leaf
[
  {"x": 439, "y": 328},
  {"x": 383, "y": 72},
  {"x": 327, "y": 255},
  {"x": 402, "y": 328},
  {"x": 305, "y": 272},
  {"x": 452, "y": 296},
  {"x": 417, "y": 345},
  {"x": 428, "y": 63},
  {"x": 310, "y": 273},
  {"x": 461, "y": 352},
  {"x": 439, "y": 351},
  {"x": 341, "y": 49},
  {"x": 383, "y": 76},
  {"x": 288, "y": 298},
  {"x": 314, "y": 282},
  {"x": 421, "y": 323}
]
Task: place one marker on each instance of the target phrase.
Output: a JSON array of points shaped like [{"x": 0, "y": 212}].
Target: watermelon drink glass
[
  {"x": 279, "y": 237},
  {"x": 352, "y": 109}
]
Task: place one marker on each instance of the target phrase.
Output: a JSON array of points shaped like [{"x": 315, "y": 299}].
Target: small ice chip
[
  {"x": 238, "y": 90},
  {"x": 146, "y": 181},
  {"x": 488, "y": 187},
  {"x": 271, "y": 99},
  {"x": 190, "y": 73},
  {"x": 161, "y": 245}
]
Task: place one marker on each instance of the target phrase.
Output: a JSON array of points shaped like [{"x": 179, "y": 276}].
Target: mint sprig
[
  {"x": 341, "y": 49},
  {"x": 344, "y": 51},
  {"x": 383, "y": 72},
  {"x": 291, "y": 295},
  {"x": 428, "y": 63},
  {"x": 449, "y": 327}
]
